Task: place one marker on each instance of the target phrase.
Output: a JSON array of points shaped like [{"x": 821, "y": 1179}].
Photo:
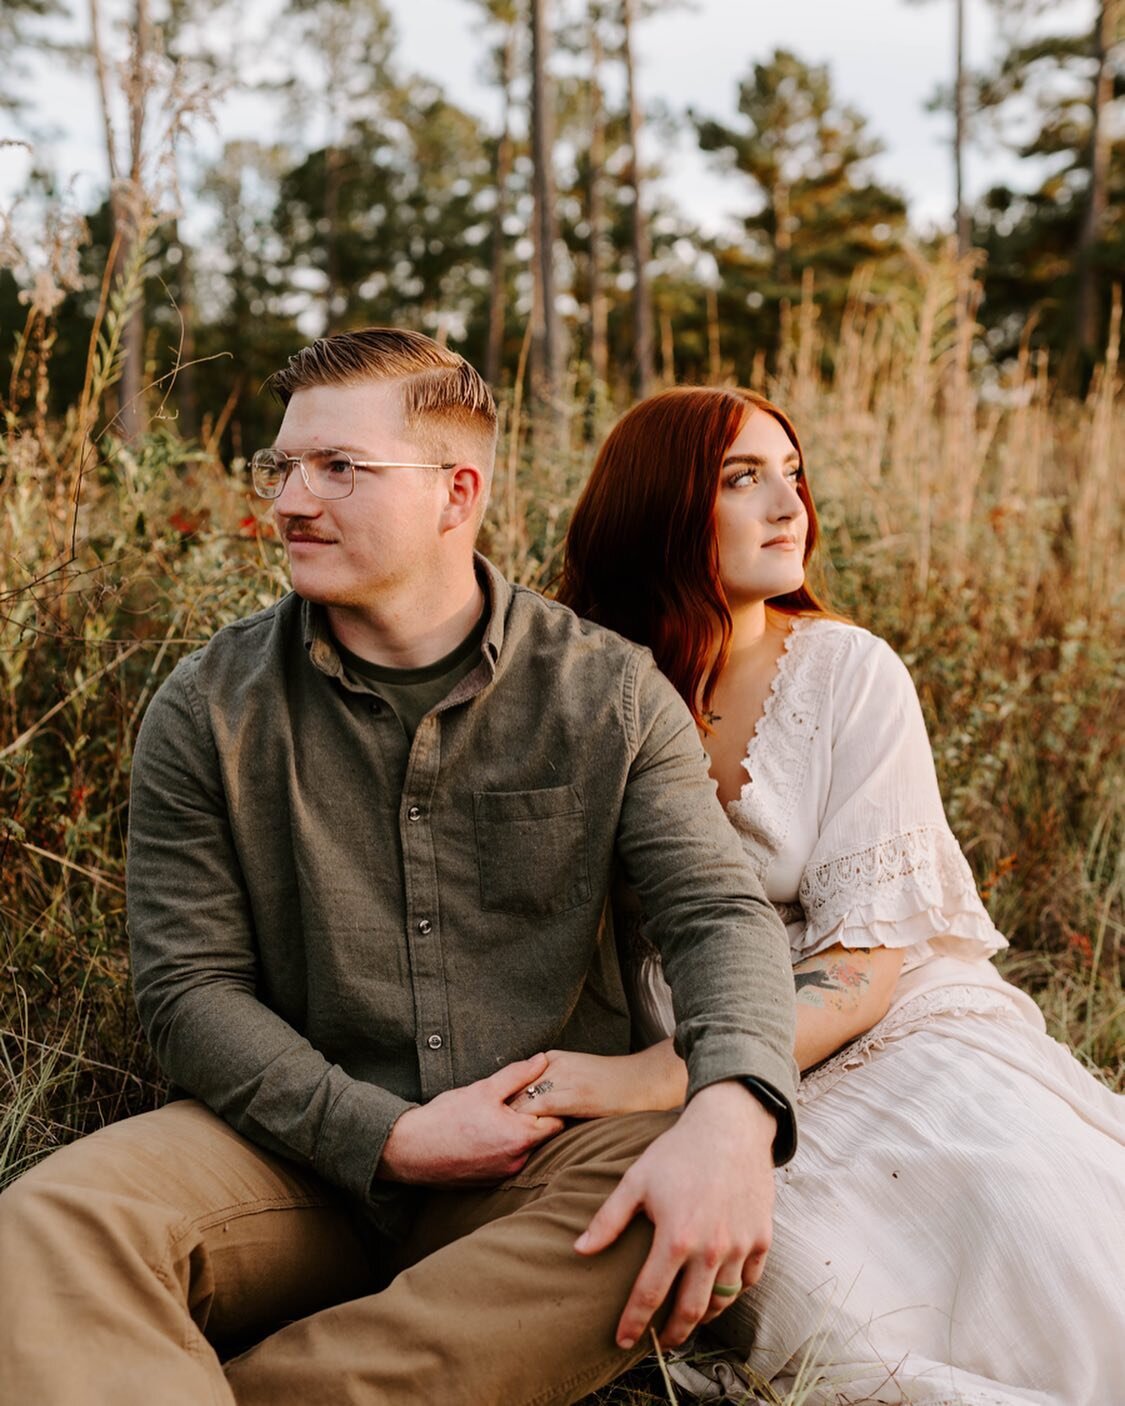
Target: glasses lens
[
  {"x": 330, "y": 472},
  {"x": 268, "y": 471}
]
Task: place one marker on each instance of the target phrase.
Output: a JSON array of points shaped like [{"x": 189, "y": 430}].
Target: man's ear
[{"x": 465, "y": 484}]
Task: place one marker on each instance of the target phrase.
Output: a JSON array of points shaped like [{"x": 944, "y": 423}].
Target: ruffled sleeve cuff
[{"x": 911, "y": 889}]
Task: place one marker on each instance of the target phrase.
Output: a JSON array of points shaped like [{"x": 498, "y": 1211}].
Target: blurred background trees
[
  {"x": 543, "y": 244},
  {"x": 1057, "y": 94}
]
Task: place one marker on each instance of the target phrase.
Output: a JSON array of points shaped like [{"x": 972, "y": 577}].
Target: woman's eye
[
  {"x": 744, "y": 476},
  {"x": 795, "y": 475}
]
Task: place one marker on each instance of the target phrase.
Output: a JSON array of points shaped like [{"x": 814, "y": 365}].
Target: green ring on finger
[{"x": 726, "y": 1291}]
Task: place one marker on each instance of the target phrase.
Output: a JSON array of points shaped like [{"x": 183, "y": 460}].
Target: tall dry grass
[{"x": 969, "y": 517}]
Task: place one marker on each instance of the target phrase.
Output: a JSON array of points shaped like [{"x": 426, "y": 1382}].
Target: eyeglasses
[{"x": 328, "y": 473}]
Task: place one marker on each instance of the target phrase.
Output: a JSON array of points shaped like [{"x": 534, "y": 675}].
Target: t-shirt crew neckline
[
  {"x": 412, "y": 693},
  {"x": 370, "y": 672}
]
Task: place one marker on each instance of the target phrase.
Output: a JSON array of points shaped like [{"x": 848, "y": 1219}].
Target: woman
[{"x": 952, "y": 1228}]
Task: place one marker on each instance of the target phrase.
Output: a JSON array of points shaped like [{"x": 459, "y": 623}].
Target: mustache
[{"x": 304, "y": 532}]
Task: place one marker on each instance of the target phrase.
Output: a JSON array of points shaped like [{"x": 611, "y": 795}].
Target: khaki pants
[{"x": 133, "y": 1260}]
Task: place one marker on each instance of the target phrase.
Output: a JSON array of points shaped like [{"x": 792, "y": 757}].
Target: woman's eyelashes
[{"x": 748, "y": 476}]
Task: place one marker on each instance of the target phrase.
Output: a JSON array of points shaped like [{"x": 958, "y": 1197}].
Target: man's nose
[{"x": 296, "y": 499}]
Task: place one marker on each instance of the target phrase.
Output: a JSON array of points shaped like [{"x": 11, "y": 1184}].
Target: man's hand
[
  {"x": 707, "y": 1186},
  {"x": 468, "y": 1136}
]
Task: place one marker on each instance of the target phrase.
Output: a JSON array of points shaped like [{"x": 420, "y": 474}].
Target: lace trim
[
  {"x": 911, "y": 1015},
  {"x": 928, "y": 856},
  {"x": 779, "y": 750}
]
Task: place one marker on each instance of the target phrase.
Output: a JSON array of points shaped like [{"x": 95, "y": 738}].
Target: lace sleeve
[{"x": 886, "y": 869}]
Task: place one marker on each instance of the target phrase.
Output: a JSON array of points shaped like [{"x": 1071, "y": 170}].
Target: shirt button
[
  {"x": 435, "y": 1042},
  {"x": 425, "y": 927},
  {"x": 414, "y": 813}
]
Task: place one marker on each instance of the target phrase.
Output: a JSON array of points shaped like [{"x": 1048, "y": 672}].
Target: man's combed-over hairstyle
[{"x": 439, "y": 388}]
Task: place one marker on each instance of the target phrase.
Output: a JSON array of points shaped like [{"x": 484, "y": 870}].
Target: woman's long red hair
[{"x": 641, "y": 554}]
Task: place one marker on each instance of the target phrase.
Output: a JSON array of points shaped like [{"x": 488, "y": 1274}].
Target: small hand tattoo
[{"x": 711, "y": 718}]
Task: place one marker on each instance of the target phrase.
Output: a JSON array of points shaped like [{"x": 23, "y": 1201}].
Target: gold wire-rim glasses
[{"x": 321, "y": 469}]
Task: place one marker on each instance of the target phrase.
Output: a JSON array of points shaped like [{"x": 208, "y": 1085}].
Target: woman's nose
[{"x": 786, "y": 503}]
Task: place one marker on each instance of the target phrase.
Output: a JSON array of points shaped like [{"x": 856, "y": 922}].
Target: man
[{"x": 371, "y": 835}]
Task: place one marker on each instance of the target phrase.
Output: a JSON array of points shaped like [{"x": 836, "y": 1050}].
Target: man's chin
[{"x": 314, "y": 591}]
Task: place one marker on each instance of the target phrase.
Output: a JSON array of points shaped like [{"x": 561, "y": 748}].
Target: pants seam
[
  {"x": 592, "y": 1374},
  {"x": 242, "y": 1209},
  {"x": 193, "y": 1341}
]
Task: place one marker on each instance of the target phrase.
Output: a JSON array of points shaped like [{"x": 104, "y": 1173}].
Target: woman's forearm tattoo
[{"x": 836, "y": 985}]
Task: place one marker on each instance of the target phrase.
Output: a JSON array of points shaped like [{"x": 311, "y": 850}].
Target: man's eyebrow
[{"x": 354, "y": 450}]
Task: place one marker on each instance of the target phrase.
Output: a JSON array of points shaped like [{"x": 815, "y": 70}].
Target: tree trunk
[
  {"x": 133, "y": 419},
  {"x": 961, "y": 214},
  {"x": 783, "y": 235},
  {"x": 714, "y": 357},
  {"x": 333, "y": 160},
  {"x": 1088, "y": 319},
  {"x": 642, "y": 307},
  {"x": 186, "y": 388},
  {"x": 497, "y": 296},
  {"x": 546, "y": 339},
  {"x": 103, "y": 92},
  {"x": 599, "y": 307},
  {"x": 123, "y": 199}
]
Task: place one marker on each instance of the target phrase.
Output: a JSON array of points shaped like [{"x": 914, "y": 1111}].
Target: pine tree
[
  {"x": 1053, "y": 252},
  {"x": 807, "y": 158}
]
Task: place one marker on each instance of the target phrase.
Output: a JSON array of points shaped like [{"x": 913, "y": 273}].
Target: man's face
[{"x": 351, "y": 552}]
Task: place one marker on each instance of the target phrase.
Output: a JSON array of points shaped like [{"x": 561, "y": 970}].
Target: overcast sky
[{"x": 885, "y": 57}]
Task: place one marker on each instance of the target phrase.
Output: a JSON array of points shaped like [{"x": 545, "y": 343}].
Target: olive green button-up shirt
[{"x": 330, "y": 924}]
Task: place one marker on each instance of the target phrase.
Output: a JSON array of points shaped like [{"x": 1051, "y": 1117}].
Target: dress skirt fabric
[{"x": 957, "y": 1198}]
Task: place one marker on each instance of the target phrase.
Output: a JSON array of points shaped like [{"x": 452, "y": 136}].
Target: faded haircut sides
[{"x": 443, "y": 397}]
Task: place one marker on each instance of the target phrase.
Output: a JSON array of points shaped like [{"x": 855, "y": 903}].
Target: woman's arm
[{"x": 841, "y": 992}]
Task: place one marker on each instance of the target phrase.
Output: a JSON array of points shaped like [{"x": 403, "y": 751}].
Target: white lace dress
[{"x": 952, "y": 1228}]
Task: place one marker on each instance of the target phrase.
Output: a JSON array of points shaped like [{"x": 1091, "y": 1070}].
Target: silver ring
[{"x": 533, "y": 1089}]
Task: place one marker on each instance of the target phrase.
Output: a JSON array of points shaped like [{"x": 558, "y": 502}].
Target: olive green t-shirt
[{"x": 411, "y": 693}]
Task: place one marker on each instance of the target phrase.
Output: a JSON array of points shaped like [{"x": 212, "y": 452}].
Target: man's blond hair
[{"x": 443, "y": 397}]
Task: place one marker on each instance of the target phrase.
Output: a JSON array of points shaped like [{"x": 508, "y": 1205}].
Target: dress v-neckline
[{"x": 762, "y": 726}]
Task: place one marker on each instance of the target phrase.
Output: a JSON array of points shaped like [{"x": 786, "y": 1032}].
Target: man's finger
[
  {"x": 652, "y": 1287},
  {"x": 729, "y": 1283},
  {"x": 692, "y": 1302},
  {"x": 614, "y": 1214},
  {"x": 514, "y": 1077},
  {"x": 539, "y": 1129}
]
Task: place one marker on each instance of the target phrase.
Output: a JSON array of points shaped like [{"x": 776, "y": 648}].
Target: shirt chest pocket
[{"x": 531, "y": 850}]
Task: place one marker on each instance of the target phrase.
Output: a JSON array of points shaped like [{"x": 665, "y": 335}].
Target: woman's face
[{"x": 760, "y": 521}]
